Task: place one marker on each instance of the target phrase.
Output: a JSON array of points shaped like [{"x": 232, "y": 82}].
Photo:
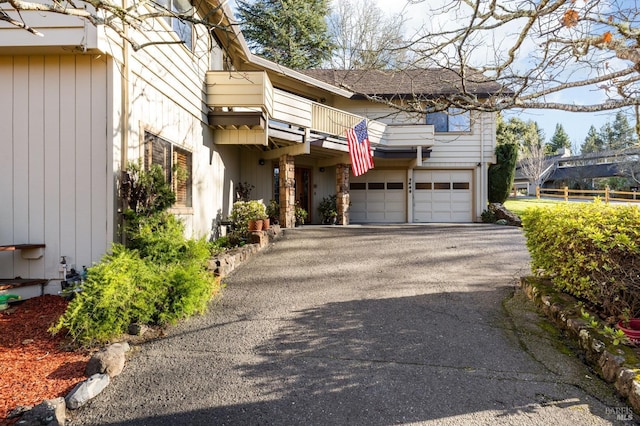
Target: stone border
[
  {"x": 222, "y": 264},
  {"x": 617, "y": 364}
]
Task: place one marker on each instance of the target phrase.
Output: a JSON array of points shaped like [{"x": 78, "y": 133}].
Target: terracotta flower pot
[
  {"x": 266, "y": 223},
  {"x": 255, "y": 225},
  {"x": 631, "y": 329}
]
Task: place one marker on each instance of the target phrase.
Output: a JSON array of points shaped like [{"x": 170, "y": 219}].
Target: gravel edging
[{"x": 616, "y": 364}]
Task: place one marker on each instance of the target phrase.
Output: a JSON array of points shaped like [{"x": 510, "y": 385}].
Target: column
[
  {"x": 342, "y": 193},
  {"x": 287, "y": 191}
]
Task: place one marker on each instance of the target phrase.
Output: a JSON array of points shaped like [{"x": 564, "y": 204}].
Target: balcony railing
[{"x": 332, "y": 121}]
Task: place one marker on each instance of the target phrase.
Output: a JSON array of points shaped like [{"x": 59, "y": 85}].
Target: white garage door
[
  {"x": 442, "y": 196},
  {"x": 378, "y": 196}
]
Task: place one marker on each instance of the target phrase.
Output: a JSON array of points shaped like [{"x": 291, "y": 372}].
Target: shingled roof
[{"x": 386, "y": 83}]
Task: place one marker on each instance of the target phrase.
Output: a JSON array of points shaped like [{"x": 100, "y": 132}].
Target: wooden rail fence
[{"x": 588, "y": 194}]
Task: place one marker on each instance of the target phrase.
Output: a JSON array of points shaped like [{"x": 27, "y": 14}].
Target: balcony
[
  {"x": 62, "y": 34},
  {"x": 243, "y": 103}
]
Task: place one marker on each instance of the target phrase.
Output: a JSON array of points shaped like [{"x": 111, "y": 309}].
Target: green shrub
[
  {"x": 145, "y": 192},
  {"x": 188, "y": 288},
  {"x": 502, "y": 173},
  {"x": 159, "y": 237},
  {"x": 124, "y": 288},
  {"x": 159, "y": 278},
  {"x": 118, "y": 291},
  {"x": 328, "y": 209},
  {"x": 219, "y": 245},
  {"x": 488, "y": 216},
  {"x": 589, "y": 250},
  {"x": 161, "y": 281}
]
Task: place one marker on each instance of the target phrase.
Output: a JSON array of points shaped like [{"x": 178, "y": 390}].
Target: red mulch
[{"x": 33, "y": 363}]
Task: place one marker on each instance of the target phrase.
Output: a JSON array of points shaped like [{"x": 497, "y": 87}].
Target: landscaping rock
[
  {"x": 109, "y": 360},
  {"x": 50, "y": 412},
  {"x": 502, "y": 213},
  {"x": 87, "y": 390},
  {"x": 19, "y": 411},
  {"x": 137, "y": 329}
]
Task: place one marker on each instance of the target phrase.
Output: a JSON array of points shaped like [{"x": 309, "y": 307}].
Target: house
[
  {"x": 79, "y": 104},
  {"x": 581, "y": 171}
]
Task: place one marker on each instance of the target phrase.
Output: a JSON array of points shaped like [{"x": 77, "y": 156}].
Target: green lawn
[{"x": 518, "y": 205}]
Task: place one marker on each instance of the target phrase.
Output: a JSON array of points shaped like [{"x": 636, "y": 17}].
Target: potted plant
[
  {"x": 247, "y": 216},
  {"x": 273, "y": 211},
  {"x": 328, "y": 210},
  {"x": 301, "y": 215},
  {"x": 630, "y": 327},
  {"x": 256, "y": 214}
]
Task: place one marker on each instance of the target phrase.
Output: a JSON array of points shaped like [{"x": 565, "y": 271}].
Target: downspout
[
  {"x": 483, "y": 189},
  {"x": 124, "y": 118}
]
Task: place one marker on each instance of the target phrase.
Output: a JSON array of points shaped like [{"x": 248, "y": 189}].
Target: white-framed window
[
  {"x": 452, "y": 120},
  {"x": 183, "y": 29},
  {"x": 176, "y": 163}
]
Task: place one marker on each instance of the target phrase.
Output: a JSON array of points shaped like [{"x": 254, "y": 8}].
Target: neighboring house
[
  {"x": 580, "y": 170},
  {"x": 78, "y": 105},
  {"x": 524, "y": 181}
]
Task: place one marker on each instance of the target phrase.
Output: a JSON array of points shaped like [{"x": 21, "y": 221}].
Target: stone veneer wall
[
  {"x": 342, "y": 193},
  {"x": 287, "y": 191}
]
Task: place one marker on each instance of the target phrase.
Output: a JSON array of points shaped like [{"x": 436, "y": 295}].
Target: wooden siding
[
  {"x": 167, "y": 96},
  {"x": 58, "y": 187},
  {"x": 240, "y": 89},
  {"x": 59, "y": 31},
  {"x": 292, "y": 109},
  {"x": 409, "y": 134}
]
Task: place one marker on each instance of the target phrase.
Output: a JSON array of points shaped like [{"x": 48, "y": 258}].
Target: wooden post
[
  {"x": 566, "y": 193},
  {"x": 538, "y": 192},
  {"x": 606, "y": 194}
]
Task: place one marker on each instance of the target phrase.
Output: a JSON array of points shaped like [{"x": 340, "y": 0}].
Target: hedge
[{"x": 589, "y": 250}]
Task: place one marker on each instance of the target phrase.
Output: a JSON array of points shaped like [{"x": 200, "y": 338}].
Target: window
[
  {"x": 183, "y": 29},
  {"x": 176, "y": 163},
  {"x": 452, "y": 120}
]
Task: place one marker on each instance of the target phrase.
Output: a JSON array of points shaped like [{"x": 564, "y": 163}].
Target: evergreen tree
[
  {"x": 502, "y": 173},
  {"x": 623, "y": 135},
  {"x": 607, "y": 135},
  {"x": 593, "y": 142},
  {"x": 559, "y": 140},
  {"x": 524, "y": 134},
  {"x": 292, "y": 33}
]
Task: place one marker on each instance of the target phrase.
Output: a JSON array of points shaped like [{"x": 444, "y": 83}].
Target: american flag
[{"x": 359, "y": 148}]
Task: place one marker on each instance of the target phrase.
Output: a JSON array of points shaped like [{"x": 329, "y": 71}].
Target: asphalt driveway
[{"x": 364, "y": 325}]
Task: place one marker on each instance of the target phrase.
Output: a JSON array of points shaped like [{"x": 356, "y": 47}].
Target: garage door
[
  {"x": 442, "y": 196},
  {"x": 378, "y": 196}
]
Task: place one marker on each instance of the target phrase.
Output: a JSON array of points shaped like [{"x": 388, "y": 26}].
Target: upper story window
[
  {"x": 183, "y": 29},
  {"x": 176, "y": 164},
  {"x": 452, "y": 120}
]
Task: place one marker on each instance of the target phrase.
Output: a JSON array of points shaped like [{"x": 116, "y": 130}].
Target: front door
[{"x": 303, "y": 190}]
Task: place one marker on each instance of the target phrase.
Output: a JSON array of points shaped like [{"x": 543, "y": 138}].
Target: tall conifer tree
[{"x": 292, "y": 33}]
